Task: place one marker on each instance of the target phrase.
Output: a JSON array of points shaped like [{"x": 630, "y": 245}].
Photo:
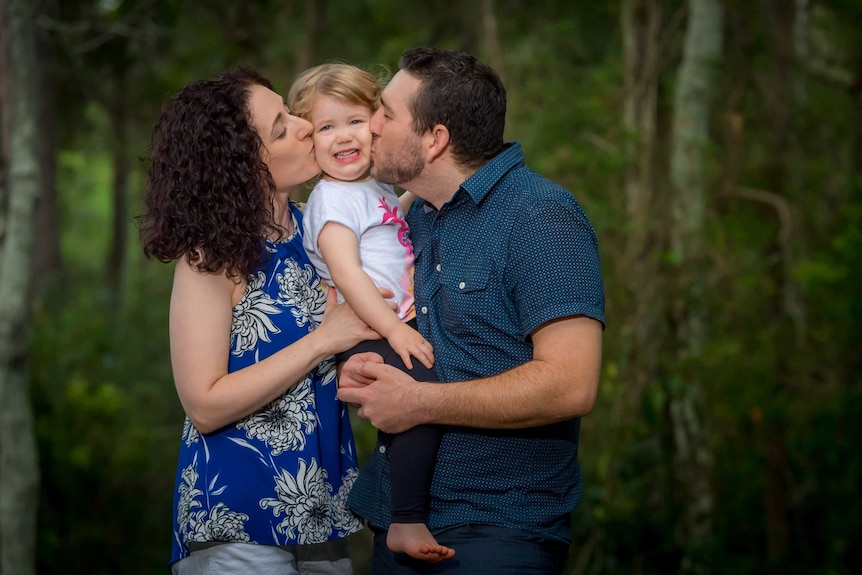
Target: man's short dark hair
[{"x": 462, "y": 94}]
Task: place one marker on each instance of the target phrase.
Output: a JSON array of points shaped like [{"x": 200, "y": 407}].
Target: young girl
[{"x": 357, "y": 239}]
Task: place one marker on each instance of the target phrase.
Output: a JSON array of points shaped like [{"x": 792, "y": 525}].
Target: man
[{"x": 508, "y": 290}]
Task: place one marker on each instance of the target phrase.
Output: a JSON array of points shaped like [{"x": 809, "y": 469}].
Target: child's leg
[
  {"x": 411, "y": 467},
  {"x": 412, "y": 455}
]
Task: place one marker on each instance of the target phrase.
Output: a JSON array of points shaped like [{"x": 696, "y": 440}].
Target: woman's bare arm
[{"x": 200, "y": 323}]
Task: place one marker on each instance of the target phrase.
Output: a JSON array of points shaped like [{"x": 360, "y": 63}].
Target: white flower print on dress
[
  {"x": 188, "y": 495},
  {"x": 251, "y": 322},
  {"x": 300, "y": 288},
  {"x": 327, "y": 370},
  {"x": 222, "y": 525},
  {"x": 305, "y": 502},
  {"x": 284, "y": 423},
  {"x": 343, "y": 519},
  {"x": 190, "y": 432}
]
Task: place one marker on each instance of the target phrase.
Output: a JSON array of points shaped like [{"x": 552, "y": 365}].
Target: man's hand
[
  {"x": 349, "y": 375},
  {"x": 385, "y": 396}
]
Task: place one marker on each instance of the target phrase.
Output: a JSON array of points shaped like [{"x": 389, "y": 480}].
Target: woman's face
[{"x": 288, "y": 149}]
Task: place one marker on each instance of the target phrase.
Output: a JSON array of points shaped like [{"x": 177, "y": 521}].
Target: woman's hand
[{"x": 342, "y": 327}]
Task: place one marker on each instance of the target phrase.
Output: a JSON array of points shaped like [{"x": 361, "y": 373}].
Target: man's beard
[{"x": 405, "y": 166}]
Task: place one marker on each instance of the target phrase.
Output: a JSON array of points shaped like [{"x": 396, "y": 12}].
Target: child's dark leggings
[{"x": 412, "y": 453}]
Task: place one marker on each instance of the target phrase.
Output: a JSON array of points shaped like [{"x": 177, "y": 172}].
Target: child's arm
[{"x": 340, "y": 249}]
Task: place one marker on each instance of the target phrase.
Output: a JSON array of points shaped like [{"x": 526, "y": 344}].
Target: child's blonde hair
[{"x": 341, "y": 81}]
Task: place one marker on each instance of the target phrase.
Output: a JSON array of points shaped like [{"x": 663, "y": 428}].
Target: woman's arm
[
  {"x": 405, "y": 200},
  {"x": 200, "y": 323}
]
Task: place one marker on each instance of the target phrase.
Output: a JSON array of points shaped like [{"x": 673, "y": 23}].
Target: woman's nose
[{"x": 303, "y": 127}]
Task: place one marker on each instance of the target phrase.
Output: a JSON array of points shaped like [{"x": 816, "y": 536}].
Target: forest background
[{"x": 715, "y": 145}]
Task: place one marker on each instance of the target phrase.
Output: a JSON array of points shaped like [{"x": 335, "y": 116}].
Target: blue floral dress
[{"x": 281, "y": 475}]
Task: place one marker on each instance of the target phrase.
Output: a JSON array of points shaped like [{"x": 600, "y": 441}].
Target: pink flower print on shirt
[{"x": 390, "y": 214}]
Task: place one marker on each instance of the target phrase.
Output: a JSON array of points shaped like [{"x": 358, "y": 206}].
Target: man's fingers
[
  {"x": 349, "y": 395},
  {"x": 367, "y": 357},
  {"x": 373, "y": 369}
]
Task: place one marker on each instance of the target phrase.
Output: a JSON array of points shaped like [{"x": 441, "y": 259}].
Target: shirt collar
[{"x": 479, "y": 184}]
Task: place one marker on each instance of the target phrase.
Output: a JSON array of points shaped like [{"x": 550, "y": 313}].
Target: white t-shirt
[{"x": 372, "y": 211}]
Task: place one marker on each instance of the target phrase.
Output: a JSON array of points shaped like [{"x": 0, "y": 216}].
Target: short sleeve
[
  {"x": 333, "y": 204},
  {"x": 554, "y": 269}
]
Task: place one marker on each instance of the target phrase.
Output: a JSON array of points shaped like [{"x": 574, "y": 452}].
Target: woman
[{"x": 266, "y": 457}]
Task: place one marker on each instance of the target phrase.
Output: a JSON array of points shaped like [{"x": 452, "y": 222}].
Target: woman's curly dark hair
[{"x": 208, "y": 195}]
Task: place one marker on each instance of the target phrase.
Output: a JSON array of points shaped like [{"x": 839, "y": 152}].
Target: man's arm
[{"x": 559, "y": 383}]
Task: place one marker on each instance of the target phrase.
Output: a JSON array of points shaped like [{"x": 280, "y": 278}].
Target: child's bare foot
[{"x": 415, "y": 540}]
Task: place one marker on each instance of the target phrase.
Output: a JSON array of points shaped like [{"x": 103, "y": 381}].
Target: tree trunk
[
  {"x": 307, "y": 54},
  {"x": 787, "y": 307},
  {"x": 47, "y": 257},
  {"x": 641, "y": 28},
  {"x": 642, "y": 333},
  {"x": 693, "y": 459},
  {"x": 491, "y": 38},
  {"x": 19, "y": 472}
]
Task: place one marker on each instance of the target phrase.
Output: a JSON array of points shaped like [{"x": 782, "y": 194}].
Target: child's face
[{"x": 342, "y": 139}]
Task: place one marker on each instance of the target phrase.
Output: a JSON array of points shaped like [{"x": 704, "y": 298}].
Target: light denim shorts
[{"x": 331, "y": 558}]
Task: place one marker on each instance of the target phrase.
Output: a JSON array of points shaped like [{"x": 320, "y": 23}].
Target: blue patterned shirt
[
  {"x": 508, "y": 253},
  {"x": 281, "y": 475}
]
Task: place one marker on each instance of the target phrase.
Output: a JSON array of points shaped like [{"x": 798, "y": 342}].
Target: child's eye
[
  {"x": 324, "y": 128},
  {"x": 355, "y": 122}
]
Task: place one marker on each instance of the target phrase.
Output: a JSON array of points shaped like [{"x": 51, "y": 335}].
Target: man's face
[{"x": 396, "y": 151}]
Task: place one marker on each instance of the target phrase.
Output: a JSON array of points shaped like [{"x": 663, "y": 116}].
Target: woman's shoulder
[{"x": 188, "y": 271}]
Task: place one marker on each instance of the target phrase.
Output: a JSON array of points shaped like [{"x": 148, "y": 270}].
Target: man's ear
[{"x": 436, "y": 142}]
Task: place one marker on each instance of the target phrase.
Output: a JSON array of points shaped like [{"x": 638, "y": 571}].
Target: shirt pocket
[{"x": 465, "y": 300}]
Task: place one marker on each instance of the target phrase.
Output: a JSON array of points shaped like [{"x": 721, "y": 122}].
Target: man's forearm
[
  {"x": 560, "y": 383},
  {"x": 530, "y": 395}
]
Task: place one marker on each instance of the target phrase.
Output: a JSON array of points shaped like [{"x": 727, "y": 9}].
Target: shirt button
[
  {"x": 382, "y": 449},
  {"x": 439, "y": 267},
  {"x": 424, "y": 310},
  {"x": 462, "y": 285}
]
